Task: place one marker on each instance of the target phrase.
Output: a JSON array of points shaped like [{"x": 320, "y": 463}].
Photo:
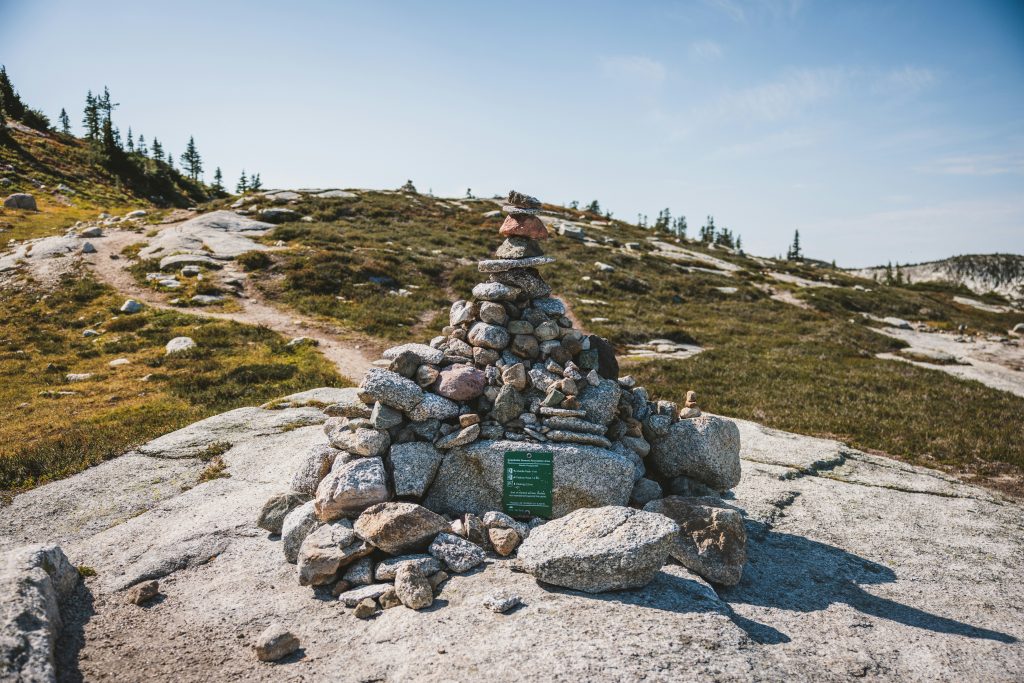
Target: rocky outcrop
[{"x": 34, "y": 582}]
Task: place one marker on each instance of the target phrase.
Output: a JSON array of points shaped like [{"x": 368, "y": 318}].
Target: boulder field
[{"x": 856, "y": 567}]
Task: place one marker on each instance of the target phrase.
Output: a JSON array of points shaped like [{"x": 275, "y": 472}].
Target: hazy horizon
[{"x": 883, "y": 131}]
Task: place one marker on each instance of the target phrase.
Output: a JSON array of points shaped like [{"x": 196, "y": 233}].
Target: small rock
[
  {"x": 277, "y": 507},
  {"x": 412, "y": 587},
  {"x": 366, "y": 608},
  {"x": 327, "y": 549},
  {"x": 505, "y": 541},
  {"x": 275, "y": 643},
  {"x": 426, "y": 564},
  {"x": 359, "y": 573},
  {"x": 457, "y": 553},
  {"x": 389, "y": 599},
  {"x": 351, "y": 488},
  {"x": 496, "y": 291},
  {"x": 488, "y": 336},
  {"x": 706, "y": 448},
  {"x": 644, "y": 491},
  {"x": 460, "y": 438},
  {"x": 712, "y": 541},
  {"x": 362, "y": 441},
  {"x": 180, "y": 345},
  {"x": 143, "y": 592},
  {"x": 297, "y": 525},
  {"x": 21, "y": 200},
  {"x": 523, "y": 225},
  {"x": 502, "y": 602},
  {"x": 314, "y": 467},
  {"x": 414, "y": 465},
  {"x": 131, "y": 306},
  {"x": 391, "y": 389}
]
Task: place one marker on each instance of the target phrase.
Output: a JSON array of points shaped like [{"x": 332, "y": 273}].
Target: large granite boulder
[
  {"x": 599, "y": 549},
  {"x": 705, "y": 448},
  {"x": 470, "y": 478},
  {"x": 712, "y": 539},
  {"x": 399, "y": 528}
]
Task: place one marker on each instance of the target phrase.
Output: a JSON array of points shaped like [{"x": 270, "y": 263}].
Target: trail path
[{"x": 351, "y": 358}]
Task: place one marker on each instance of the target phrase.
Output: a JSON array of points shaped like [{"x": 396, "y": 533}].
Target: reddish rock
[
  {"x": 523, "y": 226},
  {"x": 460, "y": 382}
]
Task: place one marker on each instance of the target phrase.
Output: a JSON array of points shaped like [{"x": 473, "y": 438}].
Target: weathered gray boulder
[
  {"x": 470, "y": 478},
  {"x": 399, "y": 528},
  {"x": 348, "y": 403},
  {"x": 414, "y": 466},
  {"x": 351, "y": 488},
  {"x": 34, "y": 581},
  {"x": 326, "y": 550},
  {"x": 296, "y": 526},
  {"x": 179, "y": 345},
  {"x": 712, "y": 540},
  {"x": 601, "y": 402},
  {"x": 279, "y": 215},
  {"x": 315, "y": 466},
  {"x": 21, "y": 200},
  {"x": 705, "y": 448},
  {"x": 599, "y": 549},
  {"x": 422, "y": 352},
  {"x": 488, "y": 336},
  {"x": 427, "y": 564},
  {"x": 277, "y": 507},
  {"x": 434, "y": 407},
  {"x": 457, "y": 553},
  {"x": 357, "y": 438},
  {"x": 391, "y": 389}
]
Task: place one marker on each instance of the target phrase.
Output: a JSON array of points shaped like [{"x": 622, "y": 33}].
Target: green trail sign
[{"x": 527, "y": 483}]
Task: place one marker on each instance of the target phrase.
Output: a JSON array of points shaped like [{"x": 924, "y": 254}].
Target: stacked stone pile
[{"x": 416, "y": 452}]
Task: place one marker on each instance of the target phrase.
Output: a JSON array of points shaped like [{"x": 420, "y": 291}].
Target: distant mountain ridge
[{"x": 981, "y": 273}]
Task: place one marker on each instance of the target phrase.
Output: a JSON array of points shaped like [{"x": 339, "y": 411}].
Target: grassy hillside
[
  {"x": 56, "y": 426},
  {"x": 807, "y": 370},
  {"x": 70, "y": 182}
]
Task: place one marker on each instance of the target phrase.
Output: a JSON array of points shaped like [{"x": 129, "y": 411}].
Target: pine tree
[
  {"x": 191, "y": 161},
  {"x": 255, "y": 184},
  {"x": 574, "y": 205},
  {"x": 170, "y": 160},
  {"x": 243, "y": 184},
  {"x": 3, "y": 123},
  {"x": 9, "y": 98},
  {"x": 739, "y": 243},
  {"x": 707, "y": 231},
  {"x": 593, "y": 207},
  {"x": 65, "y": 122},
  {"x": 141, "y": 146},
  {"x": 794, "y": 253},
  {"x": 91, "y": 118},
  {"x": 105, "y": 106},
  {"x": 679, "y": 227},
  {"x": 129, "y": 143},
  {"x": 157, "y": 150},
  {"x": 218, "y": 181},
  {"x": 664, "y": 221}
]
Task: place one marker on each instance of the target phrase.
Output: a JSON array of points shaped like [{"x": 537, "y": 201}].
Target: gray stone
[
  {"x": 599, "y": 549},
  {"x": 426, "y": 564},
  {"x": 575, "y": 424},
  {"x": 34, "y": 581},
  {"x": 514, "y": 375},
  {"x": 526, "y": 280},
  {"x": 383, "y": 417},
  {"x": 399, "y": 528},
  {"x": 470, "y": 478},
  {"x": 601, "y": 402},
  {"x": 314, "y": 467},
  {"x": 359, "y": 573},
  {"x": 279, "y": 215},
  {"x": 705, "y": 448},
  {"x": 644, "y": 491},
  {"x": 434, "y": 407},
  {"x": 493, "y": 313},
  {"x": 391, "y": 389},
  {"x": 327, "y": 549},
  {"x": 414, "y": 465},
  {"x": 296, "y": 526},
  {"x": 517, "y": 248},
  {"x": 508, "y": 404},
  {"x": 366, "y": 608},
  {"x": 176, "y": 261},
  {"x": 179, "y": 345},
  {"x": 712, "y": 541},
  {"x": 504, "y": 541},
  {"x": 277, "y": 508},
  {"x": 131, "y": 306},
  {"x": 458, "y": 554},
  {"x": 564, "y": 436},
  {"x": 496, "y": 291},
  {"x": 422, "y": 352},
  {"x": 461, "y": 312},
  {"x": 493, "y": 519},
  {"x": 502, "y": 602},
  {"x": 351, "y": 488},
  {"x": 502, "y": 265},
  {"x": 412, "y": 587},
  {"x": 462, "y": 437},
  {"x": 275, "y": 642},
  {"x": 371, "y": 592},
  {"x": 361, "y": 441},
  {"x": 21, "y": 200},
  {"x": 488, "y": 336},
  {"x": 549, "y": 306},
  {"x": 460, "y": 382}
]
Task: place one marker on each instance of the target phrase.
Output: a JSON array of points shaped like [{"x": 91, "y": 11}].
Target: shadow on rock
[
  {"x": 793, "y": 573},
  {"x": 76, "y": 613}
]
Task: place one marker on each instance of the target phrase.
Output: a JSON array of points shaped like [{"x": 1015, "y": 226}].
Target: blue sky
[{"x": 881, "y": 130}]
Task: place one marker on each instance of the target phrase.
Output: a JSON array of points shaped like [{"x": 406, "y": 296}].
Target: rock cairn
[{"x": 415, "y": 454}]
